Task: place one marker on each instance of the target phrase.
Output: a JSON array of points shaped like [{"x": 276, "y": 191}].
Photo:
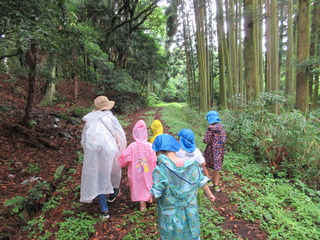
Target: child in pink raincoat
[{"x": 141, "y": 160}]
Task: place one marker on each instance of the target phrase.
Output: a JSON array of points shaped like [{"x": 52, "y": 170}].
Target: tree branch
[
  {"x": 10, "y": 55},
  {"x": 148, "y": 10}
]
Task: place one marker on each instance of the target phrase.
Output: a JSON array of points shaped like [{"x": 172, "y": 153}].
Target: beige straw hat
[{"x": 102, "y": 103}]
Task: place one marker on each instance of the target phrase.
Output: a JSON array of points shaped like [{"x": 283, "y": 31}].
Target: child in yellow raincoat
[{"x": 156, "y": 128}]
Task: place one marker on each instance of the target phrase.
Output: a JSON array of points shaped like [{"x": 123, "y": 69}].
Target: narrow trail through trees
[
  {"x": 114, "y": 229},
  {"x": 24, "y": 154}
]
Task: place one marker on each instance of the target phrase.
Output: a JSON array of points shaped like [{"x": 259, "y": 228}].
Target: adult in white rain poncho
[{"x": 103, "y": 140}]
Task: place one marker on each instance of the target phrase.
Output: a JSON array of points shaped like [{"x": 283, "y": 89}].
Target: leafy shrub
[
  {"x": 80, "y": 112},
  {"x": 77, "y": 227},
  {"x": 5, "y": 108},
  {"x": 33, "y": 168},
  {"x": 32, "y": 203},
  {"x": 288, "y": 142},
  {"x": 152, "y": 99},
  {"x": 17, "y": 203},
  {"x": 121, "y": 88}
]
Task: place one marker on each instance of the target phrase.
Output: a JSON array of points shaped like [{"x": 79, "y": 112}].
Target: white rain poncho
[{"x": 103, "y": 140}]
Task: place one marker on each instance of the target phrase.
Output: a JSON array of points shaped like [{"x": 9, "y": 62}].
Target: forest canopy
[{"x": 222, "y": 54}]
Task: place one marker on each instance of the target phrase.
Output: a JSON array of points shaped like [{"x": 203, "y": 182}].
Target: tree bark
[
  {"x": 314, "y": 54},
  {"x": 274, "y": 38},
  {"x": 31, "y": 61},
  {"x": 303, "y": 47},
  {"x": 74, "y": 75},
  {"x": 250, "y": 51},
  {"x": 202, "y": 53},
  {"x": 188, "y": 67},
  {"x": 221, "y": 54},
  {"x": 226, "y": 52},
  {"x": 260, "y": 55},
  {"x": 51, "y": 85},
  {"x": 268, "y": 47},
  {"x": 289, "y": 83}
]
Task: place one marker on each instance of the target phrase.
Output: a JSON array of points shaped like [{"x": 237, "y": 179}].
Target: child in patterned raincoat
[
  {"x": 215, "y": 138},
  {"x": 141, "y": 160},
  {"x": 175, "y": 187}
]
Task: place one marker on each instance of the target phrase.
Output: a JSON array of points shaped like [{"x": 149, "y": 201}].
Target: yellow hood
[{"x": 156, "y": 128}]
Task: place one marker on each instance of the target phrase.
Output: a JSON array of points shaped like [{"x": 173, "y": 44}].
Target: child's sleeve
[
  {"x": 159, "y": 183},
  {"x": 152, "y": 156},
  {"x": 125, "y": 157},
  {"x": 208, "y": 137},
  {"x": 198, "y": 176},
  {"x": 154, "y": 159}
]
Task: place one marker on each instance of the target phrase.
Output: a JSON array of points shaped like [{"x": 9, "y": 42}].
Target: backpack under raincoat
[
  {"x": 141, "y": 160},
  {"x": 103, "y": 140}
]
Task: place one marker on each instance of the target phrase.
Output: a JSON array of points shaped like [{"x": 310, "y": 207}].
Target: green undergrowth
[
  {"x": 147, "y": 222},
  {"x": 142, "y": 223},
  {"x": 211, "y": 222},
  {"x": 285, "y": 207}
]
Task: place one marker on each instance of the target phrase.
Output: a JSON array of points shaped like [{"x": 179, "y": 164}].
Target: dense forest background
[{"x": 209, "y": 53}]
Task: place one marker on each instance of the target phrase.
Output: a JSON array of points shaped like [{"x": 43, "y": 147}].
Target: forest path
[{"x": 114, "y": 228}]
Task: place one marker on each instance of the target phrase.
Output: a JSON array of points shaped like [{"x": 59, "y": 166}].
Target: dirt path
[
  {"x": 54, "y": 142},
  {"x": 241, "y": 228},
  {"x": 111, "y": 229},
  {"x": 19, "y": 153}
]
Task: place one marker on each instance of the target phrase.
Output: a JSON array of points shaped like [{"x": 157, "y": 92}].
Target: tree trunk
[
  {"x": 260, "y": 55},
  {"x": 233, "y": 49},
  {"x": 274, "y": 48},
  {"x": 289, "y": 84},
  {"x": 193, "y": 59},
  {"x": 226, "y": 49},
  {"x": 51, "y": 86},
  {"x": 188, "y": 67},
  {"x": 250, "y": 52},
  {"x": 31, "y": 60},
  {"x": 268, "y": 47},
  {"x": 187, "y": 54},
  {"x": 202, "y": 53},
  {"x": 314, "y": 54},
  {"x": 281, "y": 35},
  {"x": 213, "y": 72},
  {"x": 74, "y": 75},
  {"x": 303, "y": 47},
  {"x": 316, "y": 76},
  {"x": 221, "y": 54},
  {"x": 239, "y": 51}
]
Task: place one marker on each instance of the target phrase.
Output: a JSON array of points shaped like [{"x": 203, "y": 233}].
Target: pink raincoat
[{"x": 141, "y": 161}]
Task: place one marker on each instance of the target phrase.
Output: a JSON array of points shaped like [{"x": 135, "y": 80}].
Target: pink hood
[{"x": 140, "y": 132}]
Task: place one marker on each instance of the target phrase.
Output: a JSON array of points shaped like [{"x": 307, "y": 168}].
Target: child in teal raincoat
[{"x": 175, "y": 187}]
